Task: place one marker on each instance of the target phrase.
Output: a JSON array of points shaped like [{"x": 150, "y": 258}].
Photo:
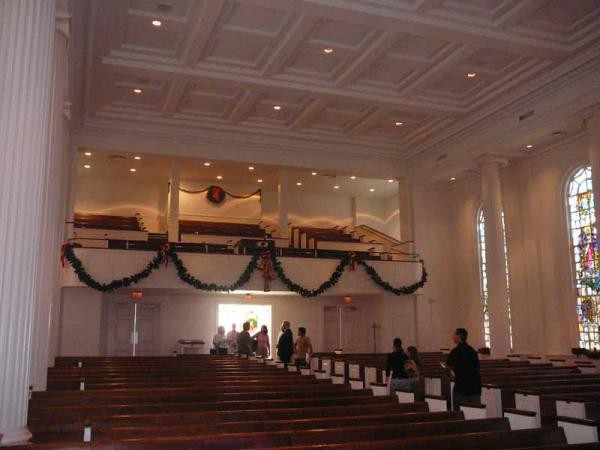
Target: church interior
[{"x": 362, "y": 170}]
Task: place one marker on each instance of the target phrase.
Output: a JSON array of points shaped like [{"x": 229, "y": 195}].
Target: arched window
[
  {"x": 483, "y": 276},
  {"x": 582, "y": 224}
]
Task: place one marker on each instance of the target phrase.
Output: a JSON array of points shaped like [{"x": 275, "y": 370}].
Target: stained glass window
[
  {"x": 484, "y": 278},
  {"x": 582, "y": 221}
]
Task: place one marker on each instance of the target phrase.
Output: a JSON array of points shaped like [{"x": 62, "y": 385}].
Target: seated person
[{"x": 396, "y": 367}]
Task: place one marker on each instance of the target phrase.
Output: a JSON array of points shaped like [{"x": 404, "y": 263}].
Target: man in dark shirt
[
  {"x": 244, "y": 341},
  {"x": 285, "y": 344},
  {"x": 395, "y": 367},
  {"x": 464, "y": 362}
]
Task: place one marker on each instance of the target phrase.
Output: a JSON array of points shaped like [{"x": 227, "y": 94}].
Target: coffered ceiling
[{"x": 380, "y": 76}]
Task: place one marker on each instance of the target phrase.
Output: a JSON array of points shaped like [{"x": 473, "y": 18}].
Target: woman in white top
[{"x": 220, "y": 342}]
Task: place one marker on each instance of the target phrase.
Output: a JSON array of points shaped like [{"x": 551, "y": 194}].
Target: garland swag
[{"x": 183, "y": 274}]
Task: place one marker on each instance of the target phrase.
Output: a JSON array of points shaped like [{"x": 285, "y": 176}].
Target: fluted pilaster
[{"x": 26, "y": 49}]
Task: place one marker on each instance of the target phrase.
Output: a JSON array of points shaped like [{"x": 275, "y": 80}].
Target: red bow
[
  {"x": 63, "y": 248},
  {"x": 165, "y": 254},
  {"x": 352, "y": 261}
]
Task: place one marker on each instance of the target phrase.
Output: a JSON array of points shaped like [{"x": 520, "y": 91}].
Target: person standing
[
  {"x": 395, "y": 367},
  {"x": 232, "y": 338},
  {"x": 244, "y": 341},
  {"x": 220, "y": 342},
  {"x": 464, "y": 362},
  {"x": 263, "y": 346},
  {"x": 285, "y": 344},
  {"x": 302, "y": 348}
]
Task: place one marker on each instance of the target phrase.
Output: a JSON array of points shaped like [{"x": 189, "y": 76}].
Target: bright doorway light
[{"x": 238, "y": 313}]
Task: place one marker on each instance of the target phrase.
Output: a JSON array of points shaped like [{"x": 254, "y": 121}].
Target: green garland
[
  {"x": 326, "y": 285},
  {"x": 403, "y": 290},
  {"x": 186, "y": 277},
  {"x": 87, "y": 279}
]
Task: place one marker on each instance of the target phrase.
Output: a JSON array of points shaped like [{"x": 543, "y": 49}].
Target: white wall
[
  {"x": 188, "y": 314},
  {"x": 197, "y": 207},
  {"x": 123, "y": 196},
  {"x": 540, "y": 266}
]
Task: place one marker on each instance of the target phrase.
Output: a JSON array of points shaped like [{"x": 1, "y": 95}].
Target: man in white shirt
[{"x": 232, "y": 338}]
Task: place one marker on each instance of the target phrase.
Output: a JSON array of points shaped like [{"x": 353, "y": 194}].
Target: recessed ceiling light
[
  {"x": 371, "y": 190},
  {"x": 313, "y": 173},
  {"x": 453, "y": 179},
  {"x": 529, "y": 146},
  {"x": 398, "y": 124},
  {"x": 298, "y": 183},
  {"x": 157, "y": 23},
  {"x": 259, "y": 180},
  {"x": 219, "y": 177},
  {"x": 336, "y": 187},
  {"x": 87, "y": 166},
  {"x": 471, "y": 75},
  {"x": 137, "y": 157},
  {"x": 328, "y": 50},
  {"x": 250, "y": 167},
  {"x": 88, "y": 153},
  {"x": 207, "y": 164},
  {"x": 353, "y": 177},
  {"x": 133, "y": 169},
  {"x": 276, "y": 107},
  {"x": 390, "y": 181},
  {"x": 137, "y": 91}
]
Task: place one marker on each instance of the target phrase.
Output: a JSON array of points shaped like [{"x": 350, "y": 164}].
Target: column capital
[{"x": 491, "y": 158}]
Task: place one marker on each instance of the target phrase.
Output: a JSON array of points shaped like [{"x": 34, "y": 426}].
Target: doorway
[
  {"x": 234, "y": 313},
  {"x": 133, "y": 328},
  {"x": 342, "y": 328}
]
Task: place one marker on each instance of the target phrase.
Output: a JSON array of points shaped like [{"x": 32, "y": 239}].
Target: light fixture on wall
[
  {"x": 136, "y": 295},
  {"x": 347, "y": 299}
]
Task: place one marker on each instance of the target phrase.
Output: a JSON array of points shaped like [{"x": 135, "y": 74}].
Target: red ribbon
[
  {"x": 63, "y": 248},
  {"x": 266, "y": 267},
  {"x": 165, "y": 254},
  {"x": 352, "y": 261}
]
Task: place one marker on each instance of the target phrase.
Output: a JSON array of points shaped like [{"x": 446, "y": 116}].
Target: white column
[
  {"x": 53, "y": 217},
  {"x": 173, "y": 213},
  {"x": 282, "y": 204},
  {"x": 405, "y": 211},
  {"x": 494, "y": 245},
  {"x": 593, "y": 131},
  {"x": 26, "y": 49}
]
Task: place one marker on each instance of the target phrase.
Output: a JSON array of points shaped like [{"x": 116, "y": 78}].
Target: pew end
[
  {"x": 521, "y": 419},
  {"x": 579, "y": 431}
]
